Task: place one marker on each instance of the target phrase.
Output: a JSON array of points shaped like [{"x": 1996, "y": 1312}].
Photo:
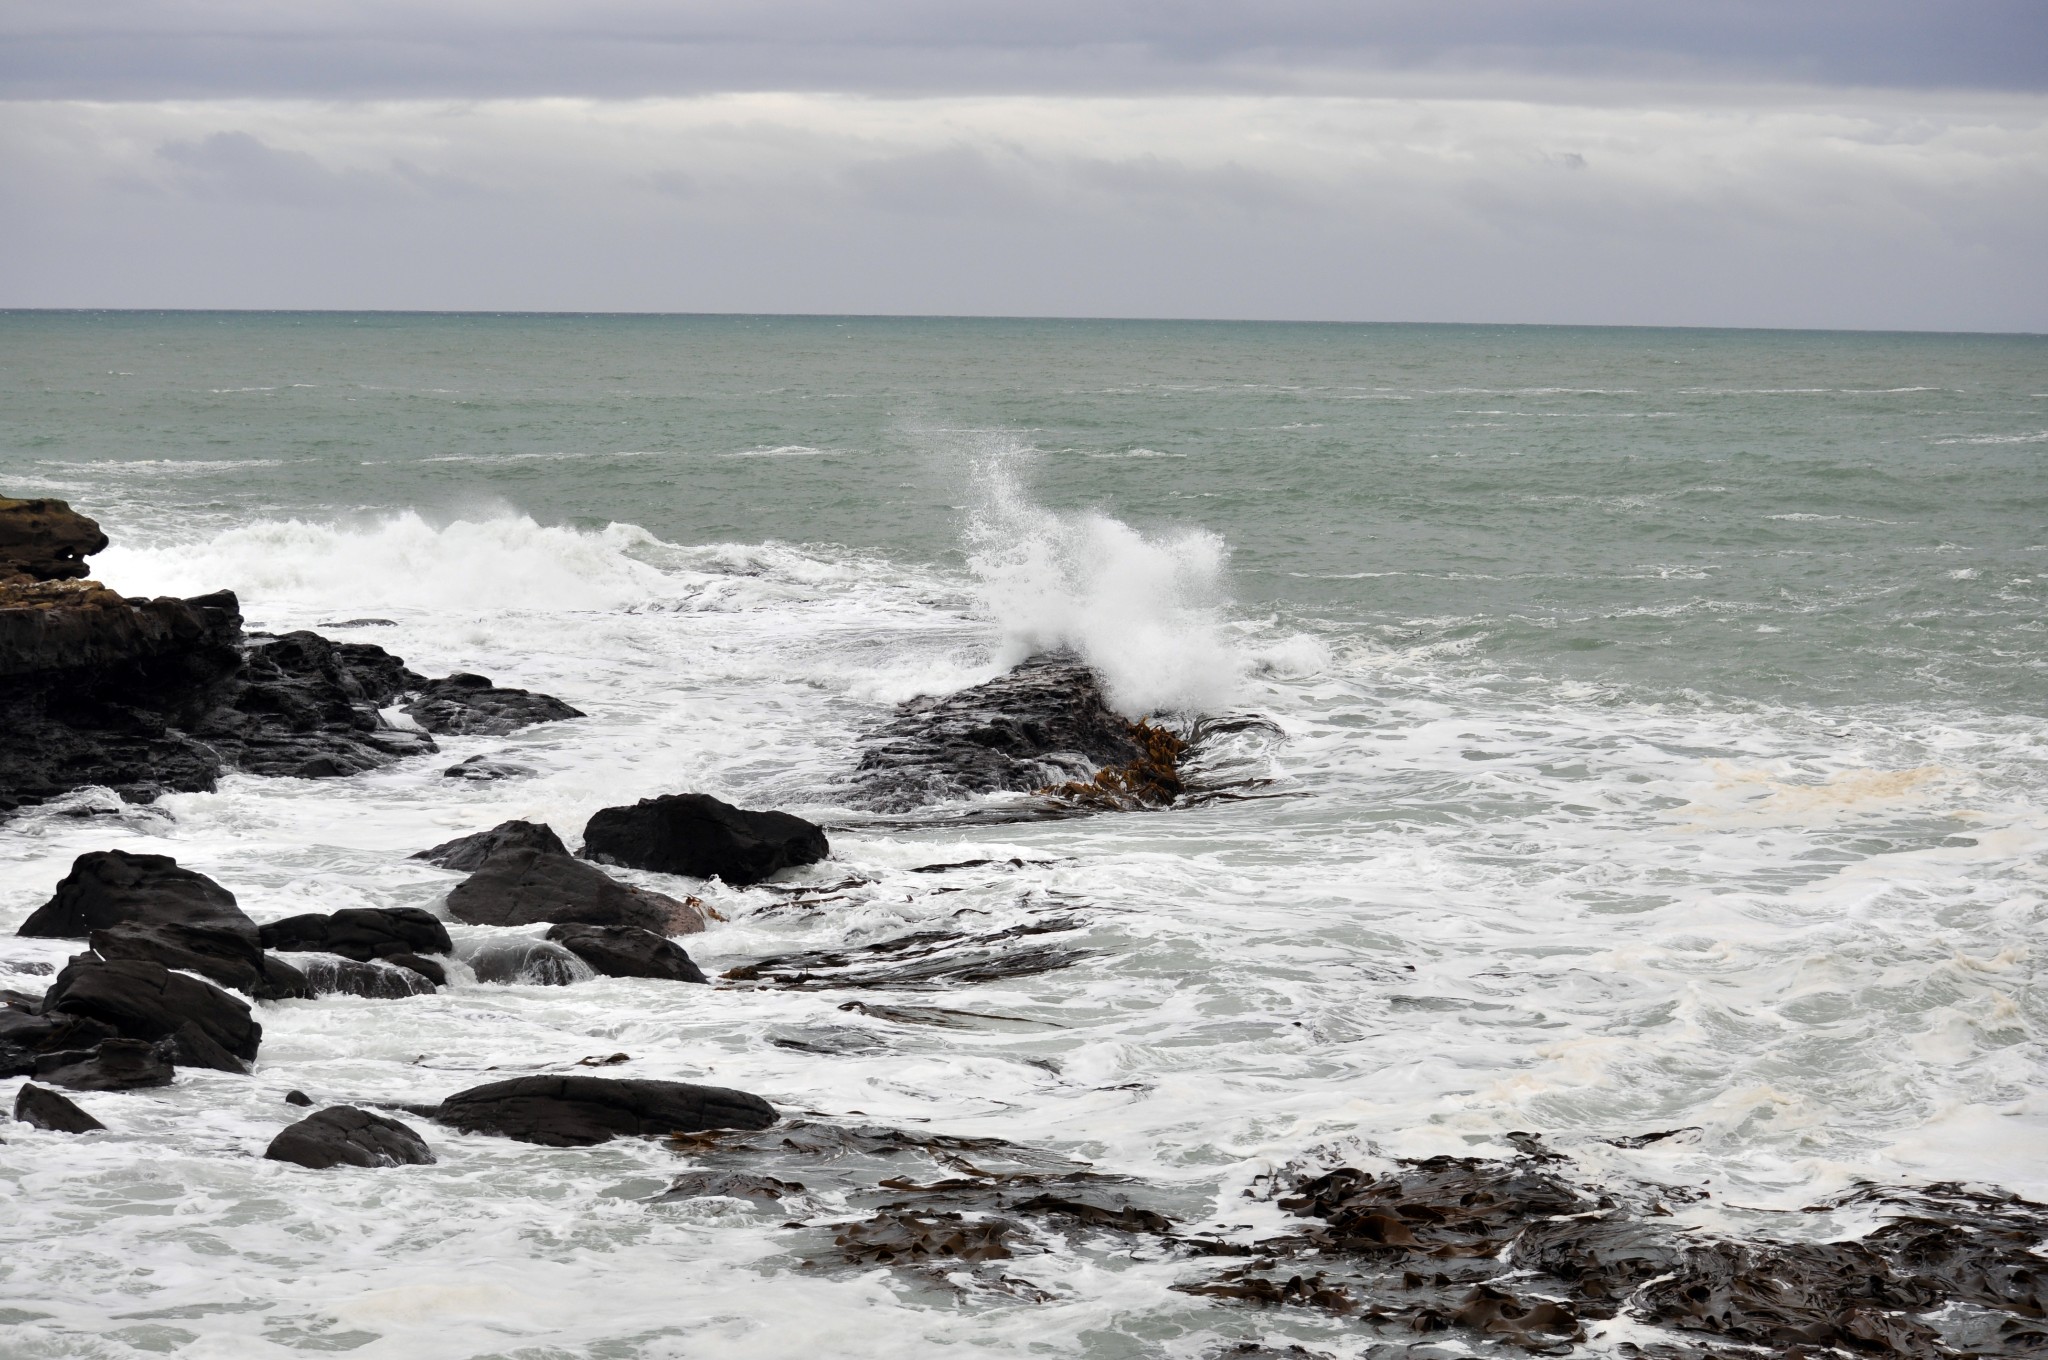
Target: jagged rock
[
  {"x": 1043, "y": 725},
  {"x": 627, "y": 951},
  {"x": 529, "y": 961},
  {"x": 557, "y": 1111},
  {"x": 466, "y": 854},
  {"x": 360, "y": 933},
  {"x": 470, "y": 705},
  {"x": 110, "y": 1065},
  {"x": 203, "y": 1025},
  {"x": 524, "y": 887},
  {"x": 26, "y": 1037},
  {"x": 45, "y": 1109},
  {"x": 342, "y": 1135},
  {"x": 699, "y": 836},
  {"x": 309, "y": 707},
  {"x": 378, "y": 979},
  {"x": 45, "y": 540},
  {"x": 484, "y": 769}
]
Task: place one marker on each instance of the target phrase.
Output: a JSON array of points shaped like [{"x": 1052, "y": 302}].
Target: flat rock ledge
[{"x": 574, "y": 1111}]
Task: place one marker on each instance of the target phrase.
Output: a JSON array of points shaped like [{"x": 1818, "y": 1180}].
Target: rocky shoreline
[{"x": 1521, "y": 1254}]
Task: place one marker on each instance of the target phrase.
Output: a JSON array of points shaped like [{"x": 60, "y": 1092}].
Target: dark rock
[
  {"x": 520, "y": 887},
  {"x": 297, "y": 1098},
  {"x": 921, "y": 958},
  {"x": 360, "y": 623},
  {"x": 529, "y": 961},
  {"x": 360, "y": 933},
  {"x": 426, "y": 968},
  {"x": 470, "y": 705},
  {"x": 627, "y": 951},
  {"x": 282, "y": 982},
  {"x": 110, "y": 1065},
  {"x": 563, "y": 1111},
  {"x": 308, "y": 707},
  {"x": 46, "y": 540},
  {"x": 45, "y": 1109},
  {"x": 377, "y": 979},
  {"x": 466, "y": 854},
  {"x": 1043, "y": 725},
  {"x": 342, "y": 1135},
  {"x": 25, "y": 1037},
  {"x": 205, "y": 1027},
  {"x": 728, "y": 1185},
  {"x": 698, "y": 836},
  {"x": 484, "y": 769}
]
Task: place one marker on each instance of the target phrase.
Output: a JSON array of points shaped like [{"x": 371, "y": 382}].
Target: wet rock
[
  {"x": 45, "y": 1109},
  {"x": 627, "y": 951},
  {"x": 485, "y": 769},
  {"x": 523, "y": 887},
  {"x": 698, "y": 836},
  {"x": 1043, "y": 725},
  {"x": 297, "y": 1098},
  {"x": 45, "y": 540},
  {"x": 376, "y": 979},
  {"x": 342, "y": 1135},
  {"x": 577, "y": 1111},
  {"x": 110, "y": 1065},
  {"x": 726, "y": 1185},
  {"x": 904, "y": 1237},
  {"x": 202, "y": 1025},
  {"x": 466, "y": 854},
  {"x": 360, "y": 933},
  {"x": 535, "y": 962},
  {"x": 282, "y": 982},
  {"x": 26, "y": 1036},
  {"x": 470, "y": 705},
  {"x": 922, "y": 958},
  {"x": 308, "y": 707}
]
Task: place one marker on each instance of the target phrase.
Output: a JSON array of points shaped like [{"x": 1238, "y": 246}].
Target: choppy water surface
[{"x": 1660, "y": 714}]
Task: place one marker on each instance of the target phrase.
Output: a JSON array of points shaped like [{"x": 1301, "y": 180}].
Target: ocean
[{"x": 1651, "y": 733}]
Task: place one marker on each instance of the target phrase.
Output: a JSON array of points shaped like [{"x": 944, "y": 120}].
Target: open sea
[{"x": 1658, "y": 739}]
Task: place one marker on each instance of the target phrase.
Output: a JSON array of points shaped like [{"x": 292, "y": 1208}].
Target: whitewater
[{"x": 1605, "y": 786}]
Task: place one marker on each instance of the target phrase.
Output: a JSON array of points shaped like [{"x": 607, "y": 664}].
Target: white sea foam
[{"x": 1145, "y": 610}]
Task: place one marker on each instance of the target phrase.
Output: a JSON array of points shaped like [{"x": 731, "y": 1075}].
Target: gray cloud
[{"x": 148, "y": 49}]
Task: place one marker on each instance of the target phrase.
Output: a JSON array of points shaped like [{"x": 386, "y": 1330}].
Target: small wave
[
  {"x": 2037, "y": 437},
  {"x": 171, "y": 465},
  {"x": 781, "y": 451},
  {"x": 1138, "y": 453}
]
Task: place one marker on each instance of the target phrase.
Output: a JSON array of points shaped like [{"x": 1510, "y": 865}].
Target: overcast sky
[{"x": 1865, "y": 163}]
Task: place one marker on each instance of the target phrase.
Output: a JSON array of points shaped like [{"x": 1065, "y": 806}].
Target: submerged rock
[
  {"x": 1043, "y": 727},
  {"x": 627, "y": 951},
  {"x": 203, "y": 1025},
  {"x": 466, "y": 854},
  {"x": 377, "y": 979},
  {"x": 45, "y": 1109},
  {"x": 524, "y": 887},
  {"x": 470, "y": 705},
  {"x": 486, "y": 769},
  {"x": 110, "y": 1065},
  {"x": 342, "y": 1135},
  {"x": 579, "y": 1111},
  {"x": 535, "y": 962},
  {"x": 699, "y": 836}
]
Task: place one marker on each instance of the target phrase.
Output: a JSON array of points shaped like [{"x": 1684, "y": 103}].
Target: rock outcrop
[
  {"x": 471, "y": 706},
  {"x": 45, "y": 540},
  {"x": 699, "y": 836},
  {"x": 524, "y": 887},
  {"x": 27, "y": 1037},
  {"x": 110, "y": 1065},
  {"x": 626, "y": 951},
  {"x": 42, "y": 1108},
  {"x": 360, "y": 933},
  {"x": 155, "y": 696},
  {"x": 342, "y": 1135},
  {"x": 200, "y": 1025},
  {"x": 466, "y": 854},
  {"x": 579, "y": 1111},
  {"x": 1042, "y": 728}
]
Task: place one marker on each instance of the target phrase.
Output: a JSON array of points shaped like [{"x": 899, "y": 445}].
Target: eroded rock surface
[
  {"x": 1044, "y": 726},
  {"x": 470, "y": 705},
  {"x": 342, "y": 1135},
  {"x": 466, "y": 854},
  {"x": 699, "y": 836},
  {"x": 524, "y": 887},
  {"x": 46, "y": 540},
  {"x": 627, "y": 951},
  {"x": 579, "y": 1111}
]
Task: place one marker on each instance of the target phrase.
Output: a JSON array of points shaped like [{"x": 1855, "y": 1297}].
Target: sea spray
[{"x": 1145, "y": 610}]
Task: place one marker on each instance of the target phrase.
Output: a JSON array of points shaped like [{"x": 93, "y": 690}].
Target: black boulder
[
  {"x": 111, "y": 1065},
  {"x": 470, "y": 705},
  {"x": 26, "y": 1036},
  {"x": 627, "y": 951},
  {"x": 557, "y": 1111},
  {"x": 204, "y": 1025},
  {"x": 145, "y": 907},
  {"x": 521, "y": 887},
  {"x": 342, "y": 1135},
  {"x": 466, "y": 854},
  {"x": 360, "y": 933},
  {"x": 45, "y": 1109},
  {"x": 699, "y": 836}
]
